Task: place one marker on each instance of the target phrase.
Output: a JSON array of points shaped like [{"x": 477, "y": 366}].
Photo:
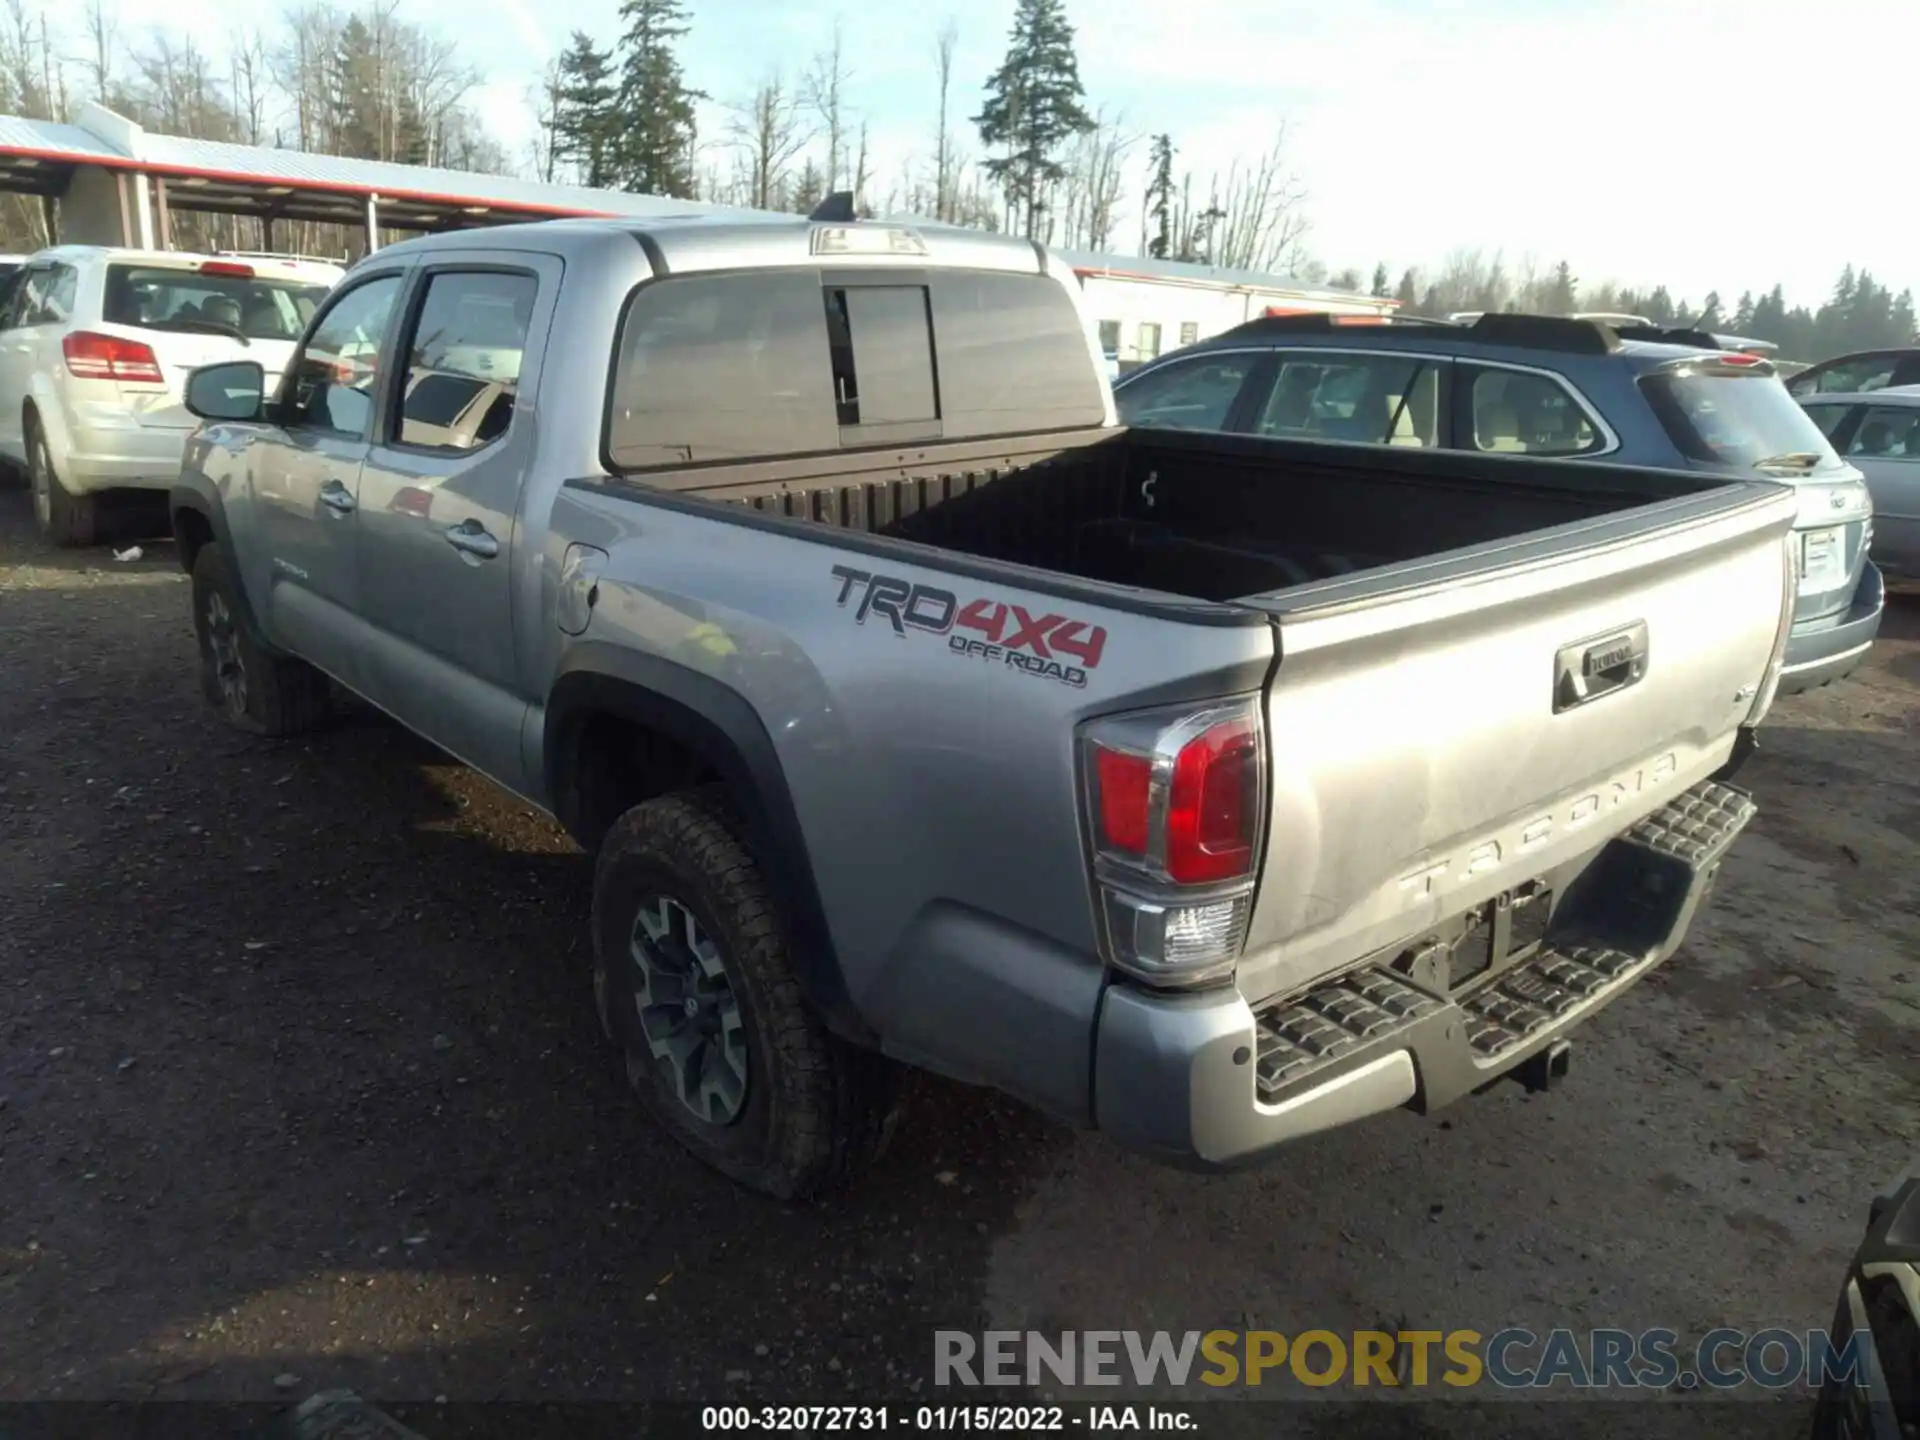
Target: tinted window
[
  {"x": 732, "y": 367},
  {"x": 1361, "y": 399},
  {"x": 1888, "y": 434},
  {"x": 463, "y": 359},
  {"x": 1848, "y": 377},
  {"x": 1192, "y": 394},
  {"x": 331, "y": 384},
  {"x": 157, "y": 297},
  {"x": 46, "y": 295},
  {"x": 723, "y": 367},
  {"x": 1013, "y": 357},
  {"x": 882, "y": 354},
  {"x": 1828, "y": 417},
  {"x": 1734, "y": 418},
  {"x": 1518, "y": 413}
]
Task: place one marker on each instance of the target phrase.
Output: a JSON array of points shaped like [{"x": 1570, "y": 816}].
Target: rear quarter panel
[{"x": 936, "y": 790}]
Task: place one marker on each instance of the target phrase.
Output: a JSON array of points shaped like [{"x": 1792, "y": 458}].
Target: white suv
[{"x": 95, "y": 345}]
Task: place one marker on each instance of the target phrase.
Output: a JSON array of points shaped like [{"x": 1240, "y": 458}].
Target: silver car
[{"x": 1879, "y": 433}]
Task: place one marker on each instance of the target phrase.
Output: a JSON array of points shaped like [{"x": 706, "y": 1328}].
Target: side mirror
[{"x": 234, "y": 390}]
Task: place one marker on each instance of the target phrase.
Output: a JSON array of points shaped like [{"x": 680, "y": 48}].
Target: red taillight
[
  {"x": 1200, "y": 829},
  {"x": 1175, "y": 802},
  {"x": 1212, "y": 805},
  {"x": 1740, "y": 357},
  {"x": 108, "y": 357},
  {"x": 226, "y": 267},
  {"x": 1124, "y": 781}
]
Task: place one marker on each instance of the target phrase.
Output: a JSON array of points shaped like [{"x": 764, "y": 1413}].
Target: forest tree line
[{"x": 1033, "y": 155}]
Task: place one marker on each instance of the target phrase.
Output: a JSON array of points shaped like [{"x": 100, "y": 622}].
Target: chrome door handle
[
  {"x": 337, "y": 498},
  {"x": 469, "y": 537}
]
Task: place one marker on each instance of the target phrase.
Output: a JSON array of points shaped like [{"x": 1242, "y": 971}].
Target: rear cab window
[
  {"x": 212, "y": 298},
  {"x": 764, "y": 364}
]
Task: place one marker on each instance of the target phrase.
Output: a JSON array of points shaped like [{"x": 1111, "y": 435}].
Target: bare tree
[
  {"x": 544, "y": 99},
  {"x": 1088, "y": 204},
  {"x": 861, "y": 176},
  {"x": 825, "y": 92},
  {"x": 1261, "y": 215},
  {"x": 768, "y": 132},
  {"x": 944, "y": 45},
  {"x": 99, "y": 62},
  {"x": 250, "y": 87}
]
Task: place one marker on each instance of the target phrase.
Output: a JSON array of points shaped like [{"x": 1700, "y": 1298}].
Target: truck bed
[{"x": 1206, "y": 517}]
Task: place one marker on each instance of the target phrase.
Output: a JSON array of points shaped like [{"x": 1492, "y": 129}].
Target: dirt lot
[{"x": 299, "y": 1078}]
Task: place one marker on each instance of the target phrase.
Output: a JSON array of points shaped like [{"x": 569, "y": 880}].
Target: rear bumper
[
  {"x": 1208, "y": 1081},
  {"x": 116, "y": 456},
  {"x": 1823, "y": 651}
]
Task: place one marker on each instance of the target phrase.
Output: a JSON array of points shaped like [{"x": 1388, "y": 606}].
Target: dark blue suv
[{"x": 1537, "y": 385}]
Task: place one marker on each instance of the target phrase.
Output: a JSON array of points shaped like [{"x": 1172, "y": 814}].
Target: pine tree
[
  {"x": 656, "y": 114},
  {"x": 1563, "y": 291},
  {"x": 1902, "y": 320},
  {"x": 1709, "y": 312},
  {"x": 1743, "y": 314},
  {"x": 586, "y": 124},
  {"x": 1408, "y": 294},
  {"x": 1160, "y": 196},
  {"x": 1659, "y": 307},
  {"x": 1382, "y": 287},
  {"x": 1035, "y": 104}
]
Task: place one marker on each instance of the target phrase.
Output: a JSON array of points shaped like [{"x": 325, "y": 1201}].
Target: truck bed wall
[{"x": 1212, "y": 517}]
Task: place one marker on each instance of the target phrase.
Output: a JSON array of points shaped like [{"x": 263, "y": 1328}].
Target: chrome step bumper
[{"x": 1376, "y": 1038}]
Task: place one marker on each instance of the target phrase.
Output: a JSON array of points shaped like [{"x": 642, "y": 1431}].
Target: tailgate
[{"x": 1443, "y": 732}]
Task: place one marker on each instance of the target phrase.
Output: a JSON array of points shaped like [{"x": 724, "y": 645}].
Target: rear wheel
[
  {"x": 252, "y": 689},
  {"x": 66, "y": 519},
  {"x": 695, "y": 982}
]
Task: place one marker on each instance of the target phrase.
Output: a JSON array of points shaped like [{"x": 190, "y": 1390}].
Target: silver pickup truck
[{"x": 1209, "y": 790}]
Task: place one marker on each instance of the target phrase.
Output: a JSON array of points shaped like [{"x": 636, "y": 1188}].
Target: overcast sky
[{"x": 1696, "y": 143}]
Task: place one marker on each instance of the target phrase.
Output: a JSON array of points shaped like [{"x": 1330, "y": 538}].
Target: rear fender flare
[{"x": 715, "y": 722}]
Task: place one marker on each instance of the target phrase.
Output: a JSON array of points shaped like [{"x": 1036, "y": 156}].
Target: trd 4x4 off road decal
[{"x": 1056, "y": 647}]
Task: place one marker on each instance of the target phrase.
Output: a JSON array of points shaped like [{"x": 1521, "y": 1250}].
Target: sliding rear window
[
  {"x": 754, "y": 365},
  {"x": 232, "y": 301}
]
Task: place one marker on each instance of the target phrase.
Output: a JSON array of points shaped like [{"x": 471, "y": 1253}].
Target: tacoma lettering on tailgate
[
  {"x": 1054, "y": 647},
  {"x": 1493, "y": 853}
]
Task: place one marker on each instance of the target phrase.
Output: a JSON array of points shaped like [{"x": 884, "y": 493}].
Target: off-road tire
[
  {"x": 277, "y": 694},
  {"x": 68, "y": 521},
  {"x": 817, "y": 1111}
]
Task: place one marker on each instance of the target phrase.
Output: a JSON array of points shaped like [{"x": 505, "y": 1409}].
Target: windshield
[
  {"x": 161, "y": 298},
  {"x": 1736, "y": 419}
]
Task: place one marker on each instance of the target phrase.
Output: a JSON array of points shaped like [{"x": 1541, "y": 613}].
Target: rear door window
[
  {"x": 463, "y": 365},
  {"x": 1522, "y": 413},
  {"x": 1363, "y": 399},
  {"x": 217, "y": 298},
  {"x": 1196, "y": 394},
  {"x": 1887, "y": 433}
]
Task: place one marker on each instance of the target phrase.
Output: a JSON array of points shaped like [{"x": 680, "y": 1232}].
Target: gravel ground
[{"x": 300, "y": 1088}]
